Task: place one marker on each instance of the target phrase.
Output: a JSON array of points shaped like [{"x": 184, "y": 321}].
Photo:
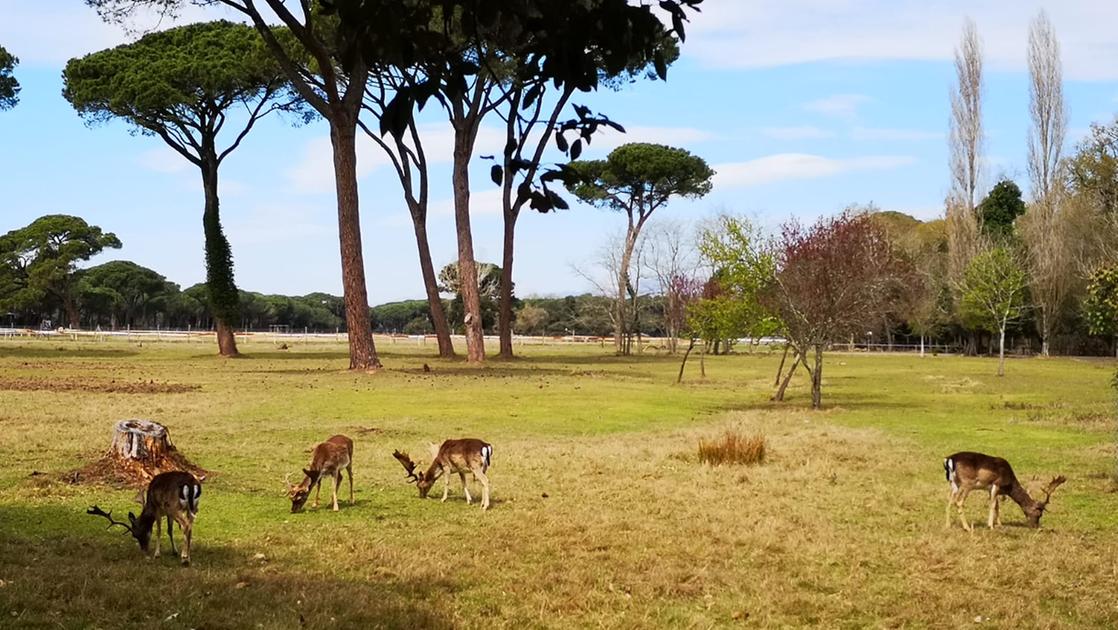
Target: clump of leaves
[{"x": 733, "y": 447}]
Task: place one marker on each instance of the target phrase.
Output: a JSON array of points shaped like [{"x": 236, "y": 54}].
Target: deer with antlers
[
  {"x": 967, "y": 471},
  {"x": 328, "y": 460},
  {"x": 173, "y": 495},
  {"x": 463, "y": 456}
]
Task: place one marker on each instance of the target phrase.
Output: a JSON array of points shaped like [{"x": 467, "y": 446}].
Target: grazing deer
[
  {"x": 968, "y": 471},
  {"x": 173, "y": 495},
  {"x": 453, "y": 456},
  {"x": 328, "y": 460}
]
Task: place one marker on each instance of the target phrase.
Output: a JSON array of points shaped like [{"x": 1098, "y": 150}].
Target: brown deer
[
  {"x": 463, "y": 456},
  {"x": 328, "y": 460},
  {"x": 968, "y": 471},
  {"x": 173, "y": 495}
]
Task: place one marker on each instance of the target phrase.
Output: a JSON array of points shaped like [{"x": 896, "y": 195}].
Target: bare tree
[
  {"x": 1044, "y": 228},
  {"x": 1046, "y": 107},
  {"x": 965, "y": 145},
  {"x": 670, "y": 258}
]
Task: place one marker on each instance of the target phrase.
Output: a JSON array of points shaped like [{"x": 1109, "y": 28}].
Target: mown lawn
[{"x": 602, "y": 515}]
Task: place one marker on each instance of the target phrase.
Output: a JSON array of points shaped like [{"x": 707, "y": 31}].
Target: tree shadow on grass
[{"x": 62, "y": 569}]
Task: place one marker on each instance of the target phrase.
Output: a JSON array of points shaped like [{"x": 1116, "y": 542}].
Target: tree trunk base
[{"x": 140, "y": 450}]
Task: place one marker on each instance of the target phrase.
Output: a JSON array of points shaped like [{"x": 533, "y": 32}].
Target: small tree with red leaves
[{"x": 833, "y": 279}]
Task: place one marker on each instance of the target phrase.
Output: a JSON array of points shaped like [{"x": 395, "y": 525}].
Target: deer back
[
  {"x": 465, "y": 455},
  {"x": 332, "y": 455},
  {"x": 171, "y": 493},
  {"x": 977, "y": 470}
]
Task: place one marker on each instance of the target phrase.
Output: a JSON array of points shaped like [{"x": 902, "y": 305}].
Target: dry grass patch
[{"x": 732, "y": 447}]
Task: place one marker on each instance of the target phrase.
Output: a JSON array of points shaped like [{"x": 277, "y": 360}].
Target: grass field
[{"x": 602, "y": 515}]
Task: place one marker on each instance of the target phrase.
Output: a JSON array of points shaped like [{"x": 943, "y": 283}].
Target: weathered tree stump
[
  {"x": 141, "y": 441},
  {"x": 140, "y": 450}
]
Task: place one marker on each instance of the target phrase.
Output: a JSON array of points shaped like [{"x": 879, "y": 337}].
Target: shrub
[{"x": 732, "y": 447}]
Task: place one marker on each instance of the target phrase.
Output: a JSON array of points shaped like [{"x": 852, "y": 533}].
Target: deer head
[
  {"x": 141, "y": 535},
  {"x": 301, "y": 492},
  {"x": 422, "y": 481},
  {"x": 1037, "y": 510}
]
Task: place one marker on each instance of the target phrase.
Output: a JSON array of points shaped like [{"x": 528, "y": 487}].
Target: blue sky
[{"x": 801, "y": 106}]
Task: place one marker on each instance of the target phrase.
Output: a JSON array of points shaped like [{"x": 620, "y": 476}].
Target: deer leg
[
  {"x": 158, "y": 537},
  {"x": 170, "y": 534},
  {"x": 998, "y": 511},
  {"x": 317, "y": 489},
  {"x": 337, "y": 484},
  {"x": 186, "y": 523},
  {"x": 481, "y": 476},
  {"x": 446, "y": 485},
  {"x": 950, "y": 503},
  {"x": 993, "y": 506},
  {"x": 959, "y": 503},
  {"x": 465, "y": 488},
  {"x": 349, "y": 469}
]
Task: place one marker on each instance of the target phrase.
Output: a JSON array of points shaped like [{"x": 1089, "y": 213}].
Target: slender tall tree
[
  {"x": 182, "y": 85},
  {"x": 1047, "y": 111},
  {"x": 409, "y": 159},
  {"x": 965, "y": 144},
  {"x": 1044, "y": 229},
  {"x": 637, "y": 179}
]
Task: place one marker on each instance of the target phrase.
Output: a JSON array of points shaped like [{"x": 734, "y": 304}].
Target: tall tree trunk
[
  {"x": 504, "y": 324},
  {"x": 796, "y": 359},
  {"x": 780, "y": 370},
  {"x": 467, "y": 265},
  {"x": 73, "y": 317},
  {"x": 817, "y": 379},
  {"x": 431, "y": 285},
  {"x": 921, "y": 344},
  {"x": 621, "y": 325},
  {"x": 362, "y": 351},
  {"x": 1001, "y": 350},
  {"x": 1045, "y": 332},
  {"x": 222, "y": 290},
  {"x": 683, "y": 363}
]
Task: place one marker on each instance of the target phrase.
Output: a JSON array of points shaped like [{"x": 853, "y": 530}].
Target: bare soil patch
[{"x": 73, "y": 384}]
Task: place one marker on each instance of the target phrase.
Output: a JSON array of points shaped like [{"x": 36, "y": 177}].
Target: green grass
[{"x": 602, "y": 515}]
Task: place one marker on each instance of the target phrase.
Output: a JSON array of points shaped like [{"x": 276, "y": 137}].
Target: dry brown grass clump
[{"x": 732, "y": 447}]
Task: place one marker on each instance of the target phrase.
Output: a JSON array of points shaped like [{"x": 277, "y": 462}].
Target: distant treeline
[{"x": 122, "y": 294}]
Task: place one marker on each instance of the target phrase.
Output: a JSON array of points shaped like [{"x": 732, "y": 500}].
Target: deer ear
[
  {"x": 132, "y": 518},
  {"x": 308, "y": 473}
]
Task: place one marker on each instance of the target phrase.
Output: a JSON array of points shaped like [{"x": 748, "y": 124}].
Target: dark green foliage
[
  {"x": 179, "y": 84},
  {"x": 1093, "y": 170},
  {"x": 641, "y": 174},
  {"x": 1100, "y": 308},
  {"x": 122, "y": 293},
  {"x": 9, "y": 87},
  {"x": 408, "y": 316},
  {"x": 1000, "y": 209},
  {"x": 37, "y": 262}
]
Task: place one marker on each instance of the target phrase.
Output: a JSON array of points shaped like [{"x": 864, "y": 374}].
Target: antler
[
  {"x": 96, "y": 511},
  {"x": 287, "y": 481},
  {"x": 408, "y": 465},
  {"x": 1051, "y": 487}
]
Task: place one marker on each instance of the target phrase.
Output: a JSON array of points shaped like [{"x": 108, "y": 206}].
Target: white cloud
[
  {"x": 769, "y": 33},
  {"x": 796, "y": 166},
  {"x": 806, "y": 132},
  {"x": 838, "y": 106},
  {"x": 893, "y": 134}
]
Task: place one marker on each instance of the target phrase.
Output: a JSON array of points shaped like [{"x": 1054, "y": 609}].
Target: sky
[{"x": 802, "y": 107}]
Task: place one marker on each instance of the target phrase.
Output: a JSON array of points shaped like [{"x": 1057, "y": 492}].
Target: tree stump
[
  {"x": 141, "y": 441},
  {"x": 140, "y": 450}
]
